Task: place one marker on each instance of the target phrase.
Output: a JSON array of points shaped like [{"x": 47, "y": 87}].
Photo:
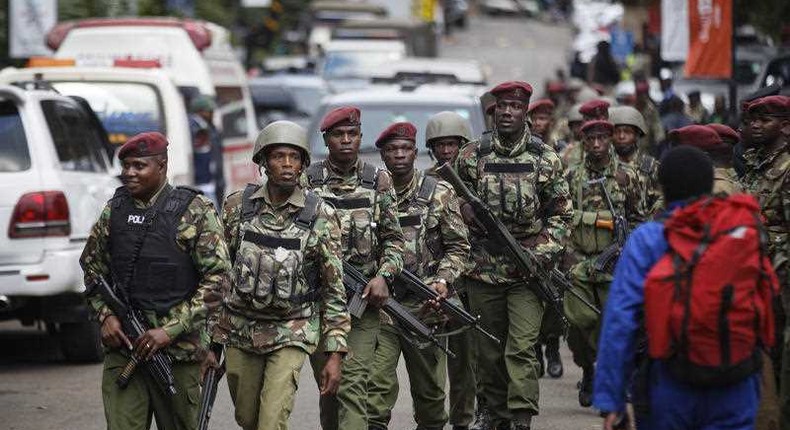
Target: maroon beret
[
  {"x": 144, "y": 145},
  {"x": 513, "y": 89},
  {"x": 642, "y": 87},
  {"x": 398, "y": 130},
  {"x": 726, "y": 132},
  {"x": 597, "y": 124},
  {"x": 771, "y": 105},
  {"x": 556, "y": 87},
  {"x": 546, "y": 104},
  {"x": 700, "y": 136},
  {"x": 344, "y": 115},
  {"x": 595, "y": 108}
]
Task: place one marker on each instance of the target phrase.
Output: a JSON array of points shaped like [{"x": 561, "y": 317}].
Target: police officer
[
  {"x": 445, "y": 134},
  {"x": 768, "y": 178},
  {"x": 372, "y": 241},
  {"x": 521, "y": 179},
  {"x": 592, "y": 234},
  {"x": 436, "y": 250},
  {"x": 287, "y": 288},
  {"x": 629, "y": 128},
  {"x": 164, "y": 247},
  {"x": 725, "y": 180}
]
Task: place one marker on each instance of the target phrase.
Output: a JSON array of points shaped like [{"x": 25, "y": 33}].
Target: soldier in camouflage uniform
[
  {"x": 572, "y": 154},
  {"x": 164, "y": 248},
  {"x": 437, "y": 251},
  {"x": 287, "y": 283},
  {"x": 768, "y": 178},
  {"x": 445, "y": 134},
  {"x": 655, "y": 131},
  {"x": 372, "y": 241},
  {"x": 725, "y": 181},
  {"x": 592, "y": 234},
  {"x": 521, "y": 178},
  {"x": 629, "y": 128},
  {"x": 541, "y": 117}
]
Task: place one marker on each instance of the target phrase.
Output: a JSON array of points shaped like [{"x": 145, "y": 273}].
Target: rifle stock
[
  {"x": 355, "y": 283},
  {"x": 134, "y": 325},
  {"x": 526, "y": 262}
]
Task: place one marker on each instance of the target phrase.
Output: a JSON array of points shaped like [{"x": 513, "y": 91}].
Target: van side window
[
  {"x": 234, "y": 122},
  {"x": 14, "y": 154},
  {"x": 76, "y": 139}
]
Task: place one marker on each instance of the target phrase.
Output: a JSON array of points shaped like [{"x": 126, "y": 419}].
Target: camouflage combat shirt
[
  {"x": 524, "y": 185},
  {"x": 768, "y": 178},
  {"x": 646, "y": 168},
  {"x": 260, "y": 327},
  {"x": 725, "y": 182},
  {"x": 199, "y": 234},
  {"x": 371, "y": 238}
]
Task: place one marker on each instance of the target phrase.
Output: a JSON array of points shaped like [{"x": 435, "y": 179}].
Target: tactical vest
[
  {"x": 589, "y": 236},
  {"x": 163, "y": 275},
  {"x": 271, "y": 279},
  {"x": 357, "y": 212},
  {"x": 510, "y": 187}
]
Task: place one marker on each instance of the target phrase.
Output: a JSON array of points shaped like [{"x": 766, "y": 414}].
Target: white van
[
  {"x": 197, "y": 56},
  {"x": 127, "y": 101}
]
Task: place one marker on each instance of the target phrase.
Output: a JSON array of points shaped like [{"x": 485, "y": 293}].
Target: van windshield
[{"x": 124, "y": 108}]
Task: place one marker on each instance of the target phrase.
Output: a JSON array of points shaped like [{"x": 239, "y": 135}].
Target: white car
[
  {"x": 54, "y": 181},
  {"x": 348, "y": 64}
]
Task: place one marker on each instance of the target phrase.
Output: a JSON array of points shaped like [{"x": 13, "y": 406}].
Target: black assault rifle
[
  {"x": 424, "y": 292},
  {"x": 355, "y": 283},
  {"x": 209, "y": 392},
  {"x": 606, "y": 261},
  {"x": 134, "y": 325},
  {"x": 548, "y": 281}
]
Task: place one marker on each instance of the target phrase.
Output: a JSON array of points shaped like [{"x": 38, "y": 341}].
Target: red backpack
[{"x": 708, "y": 300}]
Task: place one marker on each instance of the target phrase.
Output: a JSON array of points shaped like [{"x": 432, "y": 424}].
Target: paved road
[{"x": 37, "y": 390}]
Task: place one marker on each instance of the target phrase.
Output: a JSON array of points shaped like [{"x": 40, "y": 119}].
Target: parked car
[
  {"x": 324, "y": 15},
  {"x": 306, "y": 90},
  {"x": 275, "y": 103},
  {"x": 54, "y": 181},
  {"x": 381, "y": 106},
  {"x": 432, "y": 70},
  {"x": 777, "y": 71},
  {"x": 422, "y": 39},
  {"x": 348, "y": 64}
]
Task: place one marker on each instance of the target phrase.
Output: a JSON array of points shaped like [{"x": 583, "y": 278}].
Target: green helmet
[
  {"x": 202, "y": 103},
  {"x": 281, "y": 133},
  {"x": 626, "y": 115},
  {"x": 447, "y": 124},
  {"x": 574, "y": 115}
]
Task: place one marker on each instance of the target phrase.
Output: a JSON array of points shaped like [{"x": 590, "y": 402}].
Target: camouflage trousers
[
  {"x": 263, "y": 387},
  {"x": 348, "y": 409},
  {"x": 462, "y": 370},
  {"x": 133, "y": 407},
  {"x": 427, "y": 375},
  {"x": 508, "y": 372}
]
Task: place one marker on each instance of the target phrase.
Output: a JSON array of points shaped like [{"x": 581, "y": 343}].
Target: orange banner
[{"x": 710, "y": 39}]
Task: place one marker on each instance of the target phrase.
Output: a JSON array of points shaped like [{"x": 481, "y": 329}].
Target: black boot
[
  {"x": 483, "y": 419},
  {"x": 539, "y": 356},
  {"x": 553, "y": 360},
  {"x": 586, "y": 388}
]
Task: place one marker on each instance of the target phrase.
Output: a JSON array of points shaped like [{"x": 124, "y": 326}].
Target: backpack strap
[
  {"x": 367, "y": 179},
  {"x": 306, "y": 217},
  {"x": 248, "y": 208},
  {"x": 427, "y": 188},
  {"x": 316, "y": 175},
  {"x": 485, "y": 147}
]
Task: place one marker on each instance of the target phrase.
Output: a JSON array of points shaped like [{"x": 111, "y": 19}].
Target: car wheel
[{"x": 81, "y": 341}]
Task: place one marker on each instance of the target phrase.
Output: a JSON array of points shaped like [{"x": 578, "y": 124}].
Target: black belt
[
  {"x": 272, "y": 241},
  {"x": 358, "y": 203},
  {"x": 509, "y": 167}
]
